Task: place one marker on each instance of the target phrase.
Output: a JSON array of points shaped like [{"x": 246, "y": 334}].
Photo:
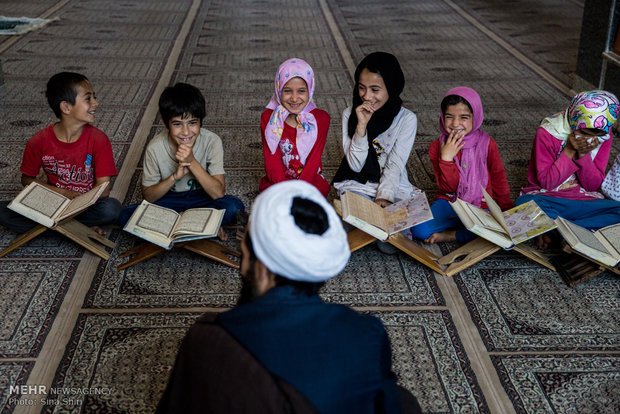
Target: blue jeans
[
  {"x": 180, "y": 202},
  {"x": 104, "y": 211},
  {"x": 444, "y": 218},
  {"x": 591, "y": 214}
]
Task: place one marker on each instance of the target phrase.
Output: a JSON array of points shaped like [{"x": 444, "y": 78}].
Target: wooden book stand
[
  {"x": 204, "y": 247},
  {"x": 358, "y": 239},
  {"x": 575, "y": 267},
  {"x": 73, "y": 229},
  {"x": 479, "y": 248}
]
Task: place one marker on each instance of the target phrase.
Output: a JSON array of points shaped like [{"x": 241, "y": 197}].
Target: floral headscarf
[
  {"x": 596, "y": 109},
  {"x": 306, "y": 123}
]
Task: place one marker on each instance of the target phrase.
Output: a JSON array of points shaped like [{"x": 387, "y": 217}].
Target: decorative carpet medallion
[
  {"x": 561, "y": 383},
  {"x": 519, "y": 305},
  {"x": 12, "y": 374},
  {"x": 131, "y": 356},
  {"x": 127, "y": 357},
  {"x": 32, "y": 294}
]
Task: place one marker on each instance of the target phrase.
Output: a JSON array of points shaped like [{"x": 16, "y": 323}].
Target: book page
[
  {"x": 585, "y": 236},
  {"x": 408, "y": 213},
  {"x": 482, "y": 218},
  {"x": 157, "y": 219},
  {"x": 364, "y": 209},
  {"x": 194, "y": 221},
  {"x": 43, "y": 200},
  {"x": 82, "y": 201},
  {"x": 526, "y": 221},
  {"x": 611, "y": 235},
  {"x": 495, "y": 210}
]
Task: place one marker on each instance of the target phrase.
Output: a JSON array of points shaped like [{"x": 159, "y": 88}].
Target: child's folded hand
[
  {"x": 184, "y": 155},
  {"x": 453, "y": 145}
]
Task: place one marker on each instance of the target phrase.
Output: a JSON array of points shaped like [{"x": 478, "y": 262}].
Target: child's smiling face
[
  {"x": 295, "y": 95},
  {"x": 458, "y": 118},
  {"x": 371, "y": 88},
  {"x": 85, "y": 103},
  {"x": 184, "y": 129}
]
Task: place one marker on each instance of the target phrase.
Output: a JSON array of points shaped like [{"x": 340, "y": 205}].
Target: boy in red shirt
[{"x": 75, "y": 156}]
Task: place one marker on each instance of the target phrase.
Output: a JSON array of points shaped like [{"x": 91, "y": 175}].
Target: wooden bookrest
[
  {"x": 479, "y": 248},
  {"x": 358, "y": 238},
  {"x": 575, "y": 267},
  {"x": 203, "y": 247},
  {"x": 470, "y": 253},
  {"x": 73, "y": 229}
]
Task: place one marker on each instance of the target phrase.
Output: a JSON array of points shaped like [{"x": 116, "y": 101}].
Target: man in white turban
[{"x": 338, "y": 359}]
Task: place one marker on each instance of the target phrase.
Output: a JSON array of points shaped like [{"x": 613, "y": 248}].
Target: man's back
[{"x": 337, "y": 358}]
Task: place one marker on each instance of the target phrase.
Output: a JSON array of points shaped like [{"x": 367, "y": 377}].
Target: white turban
[{"x": 285, "y": 248}]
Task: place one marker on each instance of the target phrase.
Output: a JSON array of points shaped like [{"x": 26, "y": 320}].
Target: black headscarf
[{"x": 386, "y": 65}]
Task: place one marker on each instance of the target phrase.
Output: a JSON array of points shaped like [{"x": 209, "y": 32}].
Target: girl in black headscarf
[{"x": 378, "y": 133}]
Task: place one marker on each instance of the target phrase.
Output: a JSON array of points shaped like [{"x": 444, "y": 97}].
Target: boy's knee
[{"x": 232, "y": 205}]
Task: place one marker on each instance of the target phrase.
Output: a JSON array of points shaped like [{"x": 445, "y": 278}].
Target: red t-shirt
[
  {"x": 283, "y": 164},
  {"x": 72, "y": 166}
]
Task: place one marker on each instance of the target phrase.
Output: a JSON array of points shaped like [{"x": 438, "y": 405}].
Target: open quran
[
  {"x": 164, "y": 227},
  {"x": 503, "y": 228},
  {"x": 382, "y": 222},
  {"x": 47, "y": 207},
  {"x": 602, "y": 245}
]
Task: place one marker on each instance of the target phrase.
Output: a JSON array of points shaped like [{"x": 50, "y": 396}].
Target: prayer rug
[
  {"x": 12, "y": 374},
  {"x": 131, "y": 355},
  {"x": 518, "y": 305},
  {"x": 552, "y": 383},
  {"x": 32, "y": 295},
  {"x": 20, "y": 25}
]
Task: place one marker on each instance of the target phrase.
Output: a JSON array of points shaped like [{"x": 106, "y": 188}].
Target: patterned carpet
[{"x": 504, "y": 336}]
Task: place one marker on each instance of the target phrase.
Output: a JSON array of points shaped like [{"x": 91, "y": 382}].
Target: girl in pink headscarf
[
  {"x": 464, "y": 157},
  {"x": 568, "y": 161},
  {"x": 293, "y": 129}
]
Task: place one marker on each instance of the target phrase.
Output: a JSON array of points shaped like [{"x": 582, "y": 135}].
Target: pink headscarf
[
  {"x": 472, "y": 167},
  {"x": 306, "y": 123}
]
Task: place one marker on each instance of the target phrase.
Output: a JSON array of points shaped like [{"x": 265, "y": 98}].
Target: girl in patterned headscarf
[
  {"x": 568, "y": 162},
  {"x": 465, "y": 159},
  {"x": 293, "y": 129}
]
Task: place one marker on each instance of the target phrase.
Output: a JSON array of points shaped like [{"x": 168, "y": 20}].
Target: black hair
[
  {"x": 454, "y": 100},
  {"x": 311, "y": 218},
  {"x": 62, "y": 87},
  {"x": 182, "y": 100}
]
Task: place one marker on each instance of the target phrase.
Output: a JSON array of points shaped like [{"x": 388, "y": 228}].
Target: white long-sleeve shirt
[{"x": 397, "y": 142}]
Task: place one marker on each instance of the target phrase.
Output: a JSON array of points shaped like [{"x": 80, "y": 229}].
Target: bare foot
[
  {"x": 442, "y": 236},
  {"x": 543, "y": 241},
  {"x": 222, "y": 235},
  {"x": 99, "y": 230}
]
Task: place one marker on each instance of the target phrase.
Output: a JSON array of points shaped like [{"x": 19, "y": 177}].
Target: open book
[
  {"x": 381, "y": 222},
  {"x": 504, "y": 228},
  {"x": 47, "y": 207},
  {"x": 164, "y": 227},
  {"x": 602, "y": 245}
]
